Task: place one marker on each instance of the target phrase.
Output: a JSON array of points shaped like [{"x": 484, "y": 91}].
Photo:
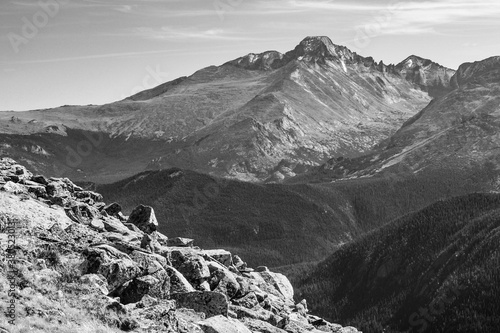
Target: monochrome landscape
[{"x": 312, "y": 189}]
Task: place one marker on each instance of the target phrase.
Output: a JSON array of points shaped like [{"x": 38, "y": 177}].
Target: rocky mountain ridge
[
  {"x": 79, "y": 262},
  {"x": 456, "y": 131},
  {"x": 242, "y": 119}
]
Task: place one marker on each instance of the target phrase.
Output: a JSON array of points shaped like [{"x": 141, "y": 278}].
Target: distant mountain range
[{"x": 261, "y": 117}]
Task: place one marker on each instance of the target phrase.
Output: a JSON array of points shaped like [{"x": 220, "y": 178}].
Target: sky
[{"x": 79, "y": 52}]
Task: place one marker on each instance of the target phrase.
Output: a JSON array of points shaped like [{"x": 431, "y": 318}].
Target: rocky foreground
[{"x": 79, "y": 265}]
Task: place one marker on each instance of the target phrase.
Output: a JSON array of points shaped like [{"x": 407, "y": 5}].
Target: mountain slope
[
  {"x": 435, "y": 270},
  {"x": 457, "y": 131},
  {"x": 241, "y": 119}
]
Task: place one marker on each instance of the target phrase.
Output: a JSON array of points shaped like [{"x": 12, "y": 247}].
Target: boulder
[
  {"x": 258, "y": 313},
  {"x": 145, "y": 260},
  {"x": 248, "y": 301},
  {"x": 192, "y": 266},
  {"x": 256, "y": 325},
  {"x": 114, "y": 265},
  {"x": 58, "y": 189},
  {"x": 280, "y": 282},
  {"x": 146, "y": 302},
  {"x": 298, "y": 327},
  {"x": 323, "y": 325},
  {"x": 38, "y": 191},
  {"x": 149, "y": 243},
  {"x": 222, "y": 256},
  {"x": 130, "y": 226},
  {"x": 178, "y": 283},
  {"x": 40, "y": 180},
  {"x": 239, "y": 264},
  {"x": 222, "y": 280},
  {"x": 221, "y": 324},
  {"x": 27, "y": 182},
  {"x": 208, "y": 302},
  {"x": 144, "y": 218},
  {"x": 180, "y": 242},
  {"x": 134, "y": 290},
  {"x": 82, "y": 213},
  {"x": 114, "y": 225},
  {"x": 348, "y": 329},
  {"x": 299, "y": 318},
  {"x": 112, "y": 209},
  {"x": 160, "y": 238},
  {"x": 301, "y": 307},
  {"x": 96, "y": 197},
  {"x": 83, "y": 236},
  {"x": 13, "y": 188},
  {"x": 113, "y": 237},
  {"x": 95, "y": 281},
  {"x": 97, "y": 224},
  {"x": 58, "y": 233},
  {"x": 12, "y": 171}
]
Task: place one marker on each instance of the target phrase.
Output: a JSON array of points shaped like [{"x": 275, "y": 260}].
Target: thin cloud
[
  {"x": 425, "y": 17},
  {"x": 167, "y": 33},
  {"x": 95, "y": 56}
]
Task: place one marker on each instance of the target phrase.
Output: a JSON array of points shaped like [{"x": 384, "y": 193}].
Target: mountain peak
[
  {"x": 313, "y": 42},
  {"x": 320, "y": 48},
  {"x": 414, "y": 61},
  {"x": 311, "y": 48},
  {"x": 429, "y": 75}
]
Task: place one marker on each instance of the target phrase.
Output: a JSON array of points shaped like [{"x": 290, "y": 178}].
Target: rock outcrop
[{"x": 137, "y": 280}]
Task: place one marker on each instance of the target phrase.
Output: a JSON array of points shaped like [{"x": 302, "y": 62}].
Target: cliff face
[{"x": 77, "y": 264}]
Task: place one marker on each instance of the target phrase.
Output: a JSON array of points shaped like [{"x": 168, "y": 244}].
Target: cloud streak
[
  {"x": 427, "y": 17},
  {"x": 168, "y": 33}
]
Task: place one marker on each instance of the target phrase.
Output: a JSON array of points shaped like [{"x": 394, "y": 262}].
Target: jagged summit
[
  {"x": 312, "y": 48},
  {"x": 316, "y": 44},
  {"x": 415, "y": 61},
  {"x": 429, "y": 75},
  {"x": 320, "y": 48}
]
